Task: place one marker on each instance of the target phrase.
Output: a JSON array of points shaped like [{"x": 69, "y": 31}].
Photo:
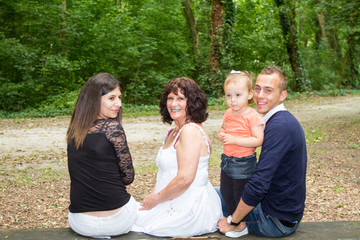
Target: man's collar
[{"x": 276, "y": 109}]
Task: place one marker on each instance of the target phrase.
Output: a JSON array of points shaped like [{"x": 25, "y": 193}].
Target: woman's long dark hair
[{"x": 87, "y": 107}]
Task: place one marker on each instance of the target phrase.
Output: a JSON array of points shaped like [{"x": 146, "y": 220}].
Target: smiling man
[{"x": 274, "y": 197}]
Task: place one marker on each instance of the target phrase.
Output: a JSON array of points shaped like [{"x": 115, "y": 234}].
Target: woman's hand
[{"x": 149, "y": 202}]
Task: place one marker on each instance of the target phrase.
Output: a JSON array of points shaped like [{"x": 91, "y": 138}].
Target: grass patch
[
  {"x": 145, "y": 167},
  {"x": 29, "y": 175},
  {"x": 215, "y": 157},
  {"x": 49, "y": 174},
  {"x": 314, "y": 135},
  {"x": 63, "y": 105},
  {"x": 354, "y": 146},
  {"x": 324, "y": 93},
  {"x": 132, "y": 111}
]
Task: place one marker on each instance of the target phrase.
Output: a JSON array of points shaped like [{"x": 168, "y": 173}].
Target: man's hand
[{"x": 224, "y": 227}]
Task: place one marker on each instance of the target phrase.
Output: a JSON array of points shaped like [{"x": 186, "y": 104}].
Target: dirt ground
[{"x": 34, "y": 183}]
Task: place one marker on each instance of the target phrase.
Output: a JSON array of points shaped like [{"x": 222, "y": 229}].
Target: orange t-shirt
[{"x": 240, "y": 126}]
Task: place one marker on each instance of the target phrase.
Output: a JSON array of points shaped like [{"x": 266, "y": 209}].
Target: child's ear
[{"x": 250, "y": 95}]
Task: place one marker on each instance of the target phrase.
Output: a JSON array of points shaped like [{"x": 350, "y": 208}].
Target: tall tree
[
  {"x": 194, "y": 34},
  {"x": 229, "y": 20},
  {"x": 353, "y": 51},
  {"x": 287, "y": 19},
  {"x": 344, "y": 37},
  {"x": 217, "y": 14},
  {"x": 63, "y": 21}
]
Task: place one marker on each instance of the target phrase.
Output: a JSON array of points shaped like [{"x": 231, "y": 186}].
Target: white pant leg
[{"x": 104, "y": 227}]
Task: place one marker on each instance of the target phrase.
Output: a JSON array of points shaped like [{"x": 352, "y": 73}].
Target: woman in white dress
[{"x": 183, "y": 201}]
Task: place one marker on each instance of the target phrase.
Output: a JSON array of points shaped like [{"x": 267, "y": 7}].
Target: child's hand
[
  {"x": 228, "y": 139},
  {"x": 221, "y": 136}
]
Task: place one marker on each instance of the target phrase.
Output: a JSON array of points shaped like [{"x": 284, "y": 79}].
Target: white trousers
[{"x": 105, "y": 227}]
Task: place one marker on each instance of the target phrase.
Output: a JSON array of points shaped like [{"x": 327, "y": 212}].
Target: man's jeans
[{"x": 264, "y": 225}]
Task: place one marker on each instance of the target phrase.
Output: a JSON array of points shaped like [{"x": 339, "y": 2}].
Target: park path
[{"x": 22, "y": 137}]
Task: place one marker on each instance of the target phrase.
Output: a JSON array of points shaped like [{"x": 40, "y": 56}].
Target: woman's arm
[
  {"x": 188, "y": 150},
  {"x": 116, "y": 135}
]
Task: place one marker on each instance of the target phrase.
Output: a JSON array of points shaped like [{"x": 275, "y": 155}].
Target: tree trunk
[
  {"x": 190, "y": 19},
  {"x": 321, "y": 19},
  {"x": 63, "y": 27},
  {"x": 229, "y": 19},
  {"x": 287, "y": 20},
  {"x": 351, "y": 53},
  {"x": 194, "y": 34},
  {"x": 217, "y": 13}
]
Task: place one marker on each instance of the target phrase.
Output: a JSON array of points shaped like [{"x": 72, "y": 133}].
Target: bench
[{"x": 307, "y": 230}]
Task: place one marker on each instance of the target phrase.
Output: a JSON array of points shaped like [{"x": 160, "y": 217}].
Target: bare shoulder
[
  {"x": 192, "y": 132},
  {"x": 192, "y": 129}
]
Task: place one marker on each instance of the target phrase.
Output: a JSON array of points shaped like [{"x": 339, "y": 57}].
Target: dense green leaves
[{"x": 48, "y": 49}]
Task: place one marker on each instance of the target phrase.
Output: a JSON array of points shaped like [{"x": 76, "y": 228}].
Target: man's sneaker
[{"x": 237, "y": 234}]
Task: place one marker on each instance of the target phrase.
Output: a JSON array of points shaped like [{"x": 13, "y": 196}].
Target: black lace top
[{"x": 100, "y": 169}]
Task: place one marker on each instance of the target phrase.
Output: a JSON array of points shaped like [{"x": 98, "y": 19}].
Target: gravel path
[{"x": 21, "y": 137}]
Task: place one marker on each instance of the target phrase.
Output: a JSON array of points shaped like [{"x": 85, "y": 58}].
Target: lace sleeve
[{"x": 116, "y": 135}]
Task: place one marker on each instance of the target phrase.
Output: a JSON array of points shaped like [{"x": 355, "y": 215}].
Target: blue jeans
[
  {"x": 224, "y": 209},
  {"x": 264, "y": 225},
  {"x": 238, "y": 168}
]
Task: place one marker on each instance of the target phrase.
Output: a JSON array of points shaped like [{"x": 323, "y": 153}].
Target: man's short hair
[{"x": 275, "y": 69}]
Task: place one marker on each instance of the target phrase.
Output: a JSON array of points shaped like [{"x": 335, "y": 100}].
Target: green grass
[
  {"x": 354, "y": 146},
  {"x": 29, "y": 175},
  {"x": 131, "y": 110},
  {"x": 145, "y": 167},
  {"x": 63, "y": 104},
  {"x": 215, "y": 157},
  {"x": 314, "y": 135}
]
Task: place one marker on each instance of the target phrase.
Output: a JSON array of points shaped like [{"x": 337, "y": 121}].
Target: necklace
[{"x": 176, "y": 131}]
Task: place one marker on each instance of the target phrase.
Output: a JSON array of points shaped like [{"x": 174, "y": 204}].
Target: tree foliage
[{"x": 48, "y": 49}]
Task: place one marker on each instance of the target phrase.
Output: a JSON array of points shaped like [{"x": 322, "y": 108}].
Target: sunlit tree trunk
[{"x": 321, "y": 19}]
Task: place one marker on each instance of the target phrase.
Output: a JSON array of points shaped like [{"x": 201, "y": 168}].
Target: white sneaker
[{"x": 237, "y": 234}]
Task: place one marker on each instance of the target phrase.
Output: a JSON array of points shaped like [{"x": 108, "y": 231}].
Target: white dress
[{"x": 196, "y": 212}]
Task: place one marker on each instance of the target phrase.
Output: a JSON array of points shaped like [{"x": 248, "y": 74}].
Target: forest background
[{"x": 49, "y": 48}]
